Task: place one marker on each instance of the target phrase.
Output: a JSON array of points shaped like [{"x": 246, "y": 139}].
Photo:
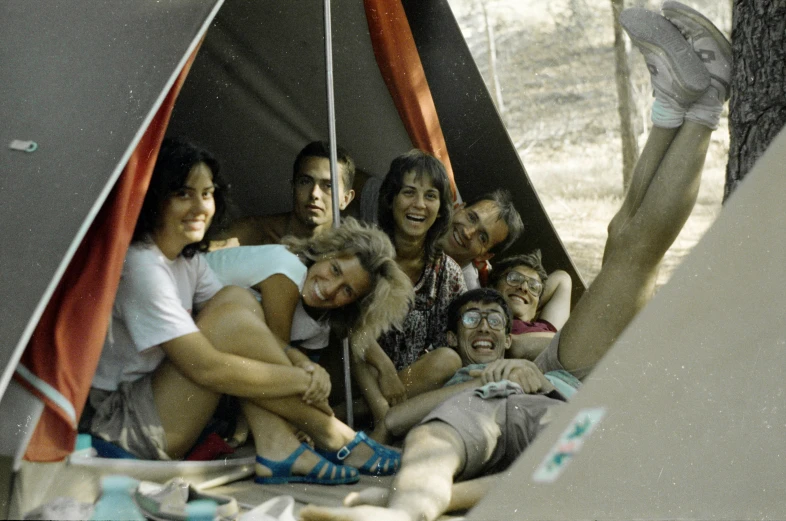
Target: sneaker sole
[
  {"x": 672, "y": 9},
  {"x": 657, "y": 35}
]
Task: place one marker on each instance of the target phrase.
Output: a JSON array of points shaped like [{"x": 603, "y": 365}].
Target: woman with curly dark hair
[{"x": 415, "y": 209}]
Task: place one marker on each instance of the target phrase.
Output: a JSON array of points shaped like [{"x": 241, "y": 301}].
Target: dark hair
[
  {"x": 531, "y": 260},
  {"x": 421, "y": 163},
  {"x": 508, "y": 214},
  {"x": 482, "y": 295},
  {"x": 175, "y": 160},
  {"x": 322, "y": 149}
]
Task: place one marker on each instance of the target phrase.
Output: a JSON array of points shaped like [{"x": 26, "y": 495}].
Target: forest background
[{"x": 550, "y": 67}]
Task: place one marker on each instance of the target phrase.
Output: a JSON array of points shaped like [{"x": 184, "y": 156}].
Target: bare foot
[
  {"x": 363, "y": 513},
  {"x": 375, "y": 496}
]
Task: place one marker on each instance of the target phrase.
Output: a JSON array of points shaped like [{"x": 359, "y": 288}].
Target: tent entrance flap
[{"x": 81, "y": 83}]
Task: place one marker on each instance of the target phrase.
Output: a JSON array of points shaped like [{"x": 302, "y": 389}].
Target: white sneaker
[
  {"x": 676, "y": 71},
  {"x": 710, "y": 44},
  {"x": 168, "y": 501}
]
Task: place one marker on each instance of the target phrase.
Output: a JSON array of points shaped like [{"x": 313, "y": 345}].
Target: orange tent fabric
[
  {"x": 66, "y": 345},
  {"x": 402, "y": 70}
]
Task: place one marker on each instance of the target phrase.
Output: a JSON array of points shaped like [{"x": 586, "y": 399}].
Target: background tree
[
  {"x": 757, "y": 110},
  {"x": 625, "y": 104}
]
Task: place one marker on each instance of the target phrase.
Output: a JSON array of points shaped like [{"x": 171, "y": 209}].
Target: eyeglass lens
[
  {"x": 516, "y": 279},
  {"x": 472, "y": 319}
]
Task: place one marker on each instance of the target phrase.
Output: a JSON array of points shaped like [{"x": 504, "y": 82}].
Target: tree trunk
[
  {"x": 757, "y": 110},
  {"x": 492, "y": 50},
  {"x": 625, "y": 105}
]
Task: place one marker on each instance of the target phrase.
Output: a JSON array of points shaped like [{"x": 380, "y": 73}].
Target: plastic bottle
[
  {"x": 201, "y": 510},
  {"x": 116, "y": 502}
]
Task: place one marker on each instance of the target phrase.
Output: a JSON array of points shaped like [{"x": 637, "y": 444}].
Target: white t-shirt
[
  {"x": 247, "y": 266},
  {"x": 154, "y": 304},
  {"x": 471, "y": 276}
]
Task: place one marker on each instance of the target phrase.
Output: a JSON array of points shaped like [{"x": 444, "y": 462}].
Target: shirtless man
[
  {"x": 689, "y": 96},
  {"x": 311, "y": 196}
]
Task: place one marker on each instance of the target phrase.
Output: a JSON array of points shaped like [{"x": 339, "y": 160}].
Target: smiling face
[
  {"x": 482, "y": 344},
  {"x": 313, "y": 192},
  {"x": 335, "y": 282},
  {"x": 186, "y": 215},
  {"x": 416, "y": 206},
  {"x": 474, "y": 231},
  {"x": 523, "y": 301}
]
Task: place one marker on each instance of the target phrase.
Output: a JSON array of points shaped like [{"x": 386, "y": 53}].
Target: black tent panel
[
  {"x": 481, "y": 151},
  {"x": 81, "y": 80}
]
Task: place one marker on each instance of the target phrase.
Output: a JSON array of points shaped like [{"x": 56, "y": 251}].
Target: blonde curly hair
[{"x": 391, "y": 294}]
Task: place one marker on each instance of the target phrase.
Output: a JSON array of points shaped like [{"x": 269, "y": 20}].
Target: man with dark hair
[
  {"x": 311, "y": 195},
  {"x": 480, "y": 229},
  {"x": 540, "y": 303}
]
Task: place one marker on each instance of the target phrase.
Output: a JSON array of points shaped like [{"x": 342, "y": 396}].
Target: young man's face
[
  {"x": 474, "y": 231},
  {"x": 521, "y": 298},
  {"x": 312, "y": 192},
  {"x": 485, "y": 342}
]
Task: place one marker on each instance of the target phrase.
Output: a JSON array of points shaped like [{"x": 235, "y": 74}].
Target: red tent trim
[
  {"x": 401, "y": 68},
  {"x": 65, "y": 347}
]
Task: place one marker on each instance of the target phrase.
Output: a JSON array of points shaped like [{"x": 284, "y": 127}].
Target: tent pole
[{"x": 335, "y": 184}]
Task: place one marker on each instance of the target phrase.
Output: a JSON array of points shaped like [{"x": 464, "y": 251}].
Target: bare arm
[
  {"x": 528, "y": 346},
  {"x": 406, "y": 415},
  {"x": 388, "y": 382},
  {"x": 555, "y": 302},
  {"x": 280, "y": 297}
]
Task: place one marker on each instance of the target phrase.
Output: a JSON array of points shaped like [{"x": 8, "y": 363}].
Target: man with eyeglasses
[
  {"x": 477, "y": 424},
  {"x": 540, "y": 302}
]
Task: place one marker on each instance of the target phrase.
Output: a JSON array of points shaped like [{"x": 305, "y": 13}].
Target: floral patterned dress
[{"x": 425, "y": 327}]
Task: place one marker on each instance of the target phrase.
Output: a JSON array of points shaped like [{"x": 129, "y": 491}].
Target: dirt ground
[{"x": 555, "y": 69}]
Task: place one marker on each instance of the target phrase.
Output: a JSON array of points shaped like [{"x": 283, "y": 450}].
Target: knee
[
  {"x": 445, "y": 362},
  {"x": 230, "y": 299}
]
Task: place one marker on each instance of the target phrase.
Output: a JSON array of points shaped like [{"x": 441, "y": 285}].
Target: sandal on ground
[
  {"x": 334, "y": 474},
  {"x": 384, "y": 462}
]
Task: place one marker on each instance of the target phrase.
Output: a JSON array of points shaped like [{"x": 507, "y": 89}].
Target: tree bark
[
  {"x": 625, "y": 104},
  {"x": 757, "y": 109}
]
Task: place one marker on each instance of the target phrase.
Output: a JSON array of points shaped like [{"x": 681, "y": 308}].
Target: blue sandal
[
  {"x": 282, "y": 471},
  {"x": 384, "y": 462}
]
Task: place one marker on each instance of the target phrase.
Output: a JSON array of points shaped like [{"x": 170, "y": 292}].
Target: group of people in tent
[{"x": 461, "y": 360}]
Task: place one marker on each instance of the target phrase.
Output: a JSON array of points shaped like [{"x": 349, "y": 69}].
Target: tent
[{"x": 86, "y": 97}]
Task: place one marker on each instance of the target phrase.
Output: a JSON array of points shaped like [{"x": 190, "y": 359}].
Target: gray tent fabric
[
  {"x": 256, "y": 95},
  {"x": 692, "y": 391},
  {"x": 82, "y": 83}
]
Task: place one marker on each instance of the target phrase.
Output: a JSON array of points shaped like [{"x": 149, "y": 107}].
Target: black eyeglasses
[
  {"x": 516, "y": 279},
  {"x": 471, "y": 319}
]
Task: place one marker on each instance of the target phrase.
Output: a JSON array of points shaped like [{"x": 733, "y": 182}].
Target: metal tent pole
[{"x": 335, "y": 184}]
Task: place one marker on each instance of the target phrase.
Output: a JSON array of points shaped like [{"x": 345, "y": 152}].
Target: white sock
[
  {"x": 665, "y": 113},
  {"x": 706, "y": 110}
]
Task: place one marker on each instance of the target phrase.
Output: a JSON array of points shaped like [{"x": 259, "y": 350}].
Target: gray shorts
[
  {"x": 496, "y": 431},
  {"x": 128, "y": 418}
]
